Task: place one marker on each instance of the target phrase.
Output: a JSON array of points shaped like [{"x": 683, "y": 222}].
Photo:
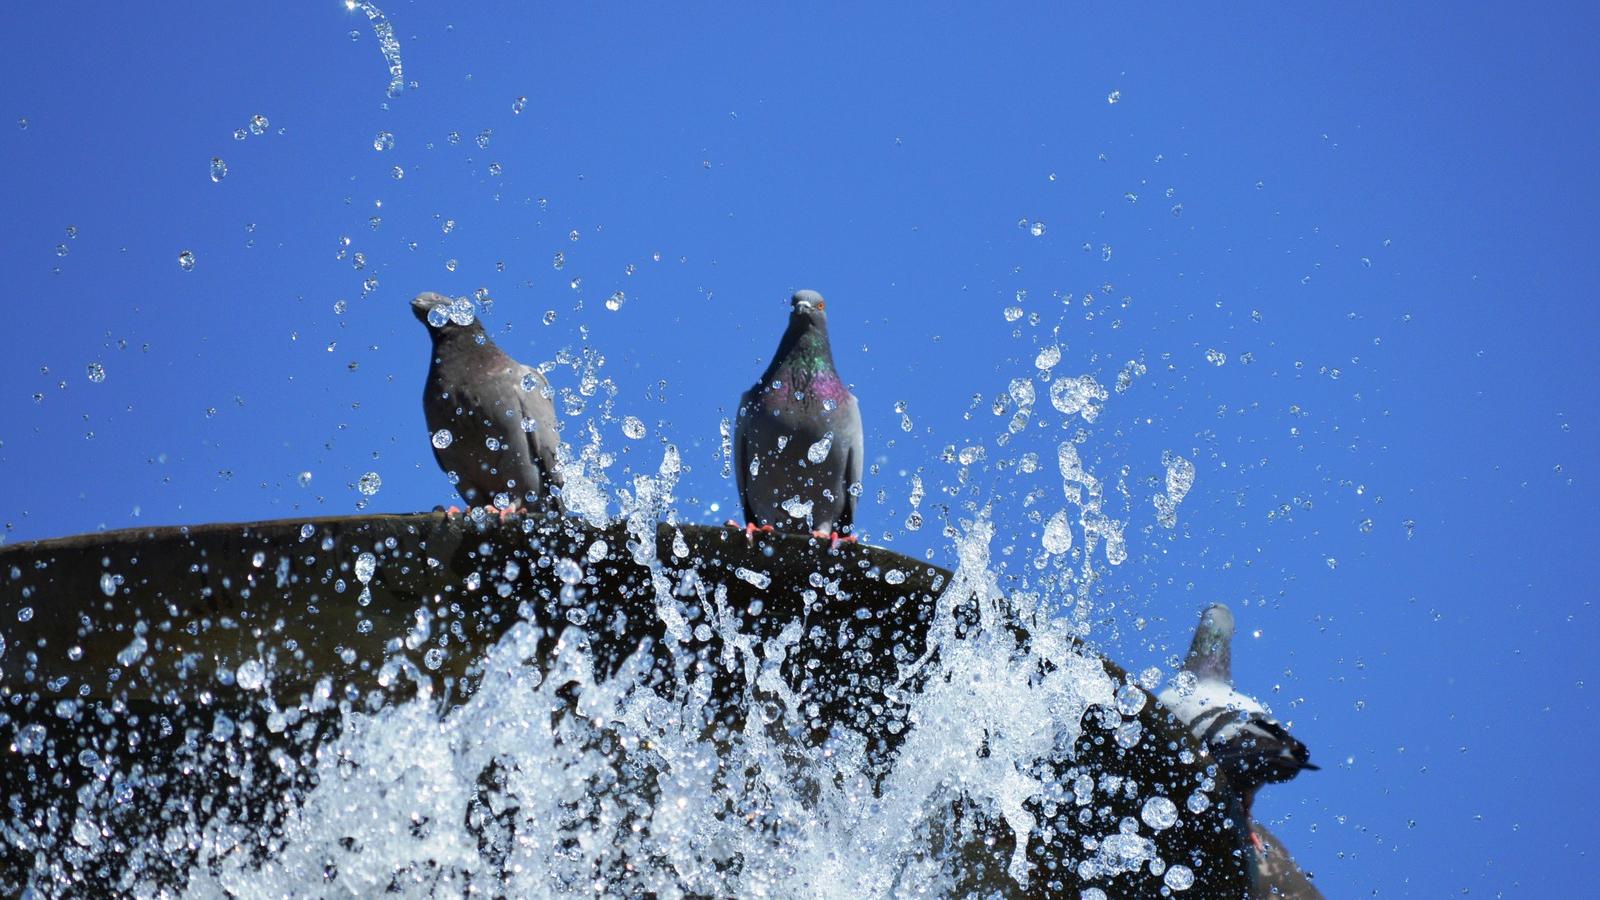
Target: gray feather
[
  {"x": 798, "y": 444},
  {"x": 503, "y": 427}
]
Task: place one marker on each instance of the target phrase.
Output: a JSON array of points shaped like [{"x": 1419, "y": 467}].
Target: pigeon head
[
  {"x": 804, "y": 352},
  {"x": 1211, "y": 653},
  {"x": 806, "y": 307},
  {"x": 442, "y": 314}
]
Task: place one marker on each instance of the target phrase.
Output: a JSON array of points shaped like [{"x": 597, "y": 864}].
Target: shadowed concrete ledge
[{"x": 175, "y": 618}]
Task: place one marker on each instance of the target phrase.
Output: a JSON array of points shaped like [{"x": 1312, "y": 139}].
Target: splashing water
[
  {"x": 388, "y": 45},
  {"x": 615, "y": 701}
]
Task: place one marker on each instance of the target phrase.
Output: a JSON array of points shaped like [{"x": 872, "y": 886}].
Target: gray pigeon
[
  {"x": 1251, "y": 746},
  {"x": 798, "y": 443},
  {"x": 493, "y": 425}
]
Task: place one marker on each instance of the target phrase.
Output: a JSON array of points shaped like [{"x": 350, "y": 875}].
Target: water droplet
[
  {"x": 559, "y": 261},
  {"x": 258, "y": 124},
  {"x": 461, "y": 310},
  {"x": 760, "y": 579},
  {"x": 22, "y": 123},
  {"x": 61, "y": 249},
  {"x": 1216, "y": 357},
  {"x": 569, "y": 571},
  {"x": 797, "y": 508},
  {"x": 305, "y": 479},
  {"x": 369, "y": 484},
  {"x": 1130, "y": 699},
  {"x": 1037, "y": 229},
  {"x": 1058, "y": 533},
  {"x": 442, "y": 438},
  {"x": 251, "y": 675},
  {"x": 219, "y": 169},
  {"x": 632, "y": 427},
  {"x": 518, "y": 105},
  {"x": 483, "y": 138},
  {"x": 186, "y": 260},
  {"x": 97, "y": 372},
  {"x": 1047, "y": 358},
  {"x": 615, "y": 301},
  {"x": 383, "y": 141},
  {"x": 130, "y": 654},
  {"x": 1179, "y": 878},
  {"x": 818, "y": 452},
  {"x": 1159, "y": 813},
  {"x": 1114, "y": 98},
  {"x": 894, "y": 576},
  {"x": 366, "y": 564}
]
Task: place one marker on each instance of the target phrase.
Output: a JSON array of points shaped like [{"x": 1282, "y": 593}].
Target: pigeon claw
[
  {"x": 834, "y": 538},
  {"x": 750, "y": 530}
]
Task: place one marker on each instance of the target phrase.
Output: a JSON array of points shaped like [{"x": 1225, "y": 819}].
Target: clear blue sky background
[{"x": 1405, "y": 193}]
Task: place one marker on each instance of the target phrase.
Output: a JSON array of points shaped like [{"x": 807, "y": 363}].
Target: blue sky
[{"x": 1404, "y": 194}]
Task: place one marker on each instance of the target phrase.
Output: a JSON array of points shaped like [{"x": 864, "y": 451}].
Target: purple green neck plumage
[{"x": 804, "y": 365}]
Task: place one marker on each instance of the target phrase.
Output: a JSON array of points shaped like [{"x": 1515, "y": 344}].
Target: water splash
[{"x": 388, "y": 44}]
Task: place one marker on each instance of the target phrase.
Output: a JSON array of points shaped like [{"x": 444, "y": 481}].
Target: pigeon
[
  {"x": 493, "y": 425},
  {"x": 1250, "y": 745},
  {"x": 798, "y": 443}
]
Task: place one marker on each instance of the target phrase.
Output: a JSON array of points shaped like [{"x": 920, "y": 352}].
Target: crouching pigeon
[
  {"x": 494, "y": 428},
  {"x": 798, "y": 443},
  {"x": 1251, "y": 746}
]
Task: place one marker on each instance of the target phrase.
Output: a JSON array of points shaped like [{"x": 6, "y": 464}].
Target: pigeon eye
[{"x": 821, "y": 305}]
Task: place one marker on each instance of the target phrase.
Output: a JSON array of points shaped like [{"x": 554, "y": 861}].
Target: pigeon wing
[
  {"x": 741, "y": 452},
  {"x": 855, "y": 453},
  {"x": 538, "y": 459}
]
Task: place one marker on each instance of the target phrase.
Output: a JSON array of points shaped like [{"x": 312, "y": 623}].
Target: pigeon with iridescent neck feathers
[
  {"x": 798, "y": 446},
  {"x": 1252, "y": 747}
]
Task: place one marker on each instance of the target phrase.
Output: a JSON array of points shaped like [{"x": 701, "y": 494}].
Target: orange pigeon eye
[{"x": 821, "y": 305}]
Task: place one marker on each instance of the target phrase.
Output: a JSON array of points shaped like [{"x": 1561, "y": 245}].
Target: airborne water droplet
[
  {"x": 366, "y": 565},
  {"x": 383, "y": 141},
  {"x": 219, "y": 169},
  {"x": 568, "y": 571},
  {"x": 818, "y": 452},
  {"x": 1159, "y": 813},
  {"x": 369, "y": 484},
  {"x": 1058, "y": 533},
  {"x": 97, "y": 372},
  {"x": 186, "y": 261}
]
